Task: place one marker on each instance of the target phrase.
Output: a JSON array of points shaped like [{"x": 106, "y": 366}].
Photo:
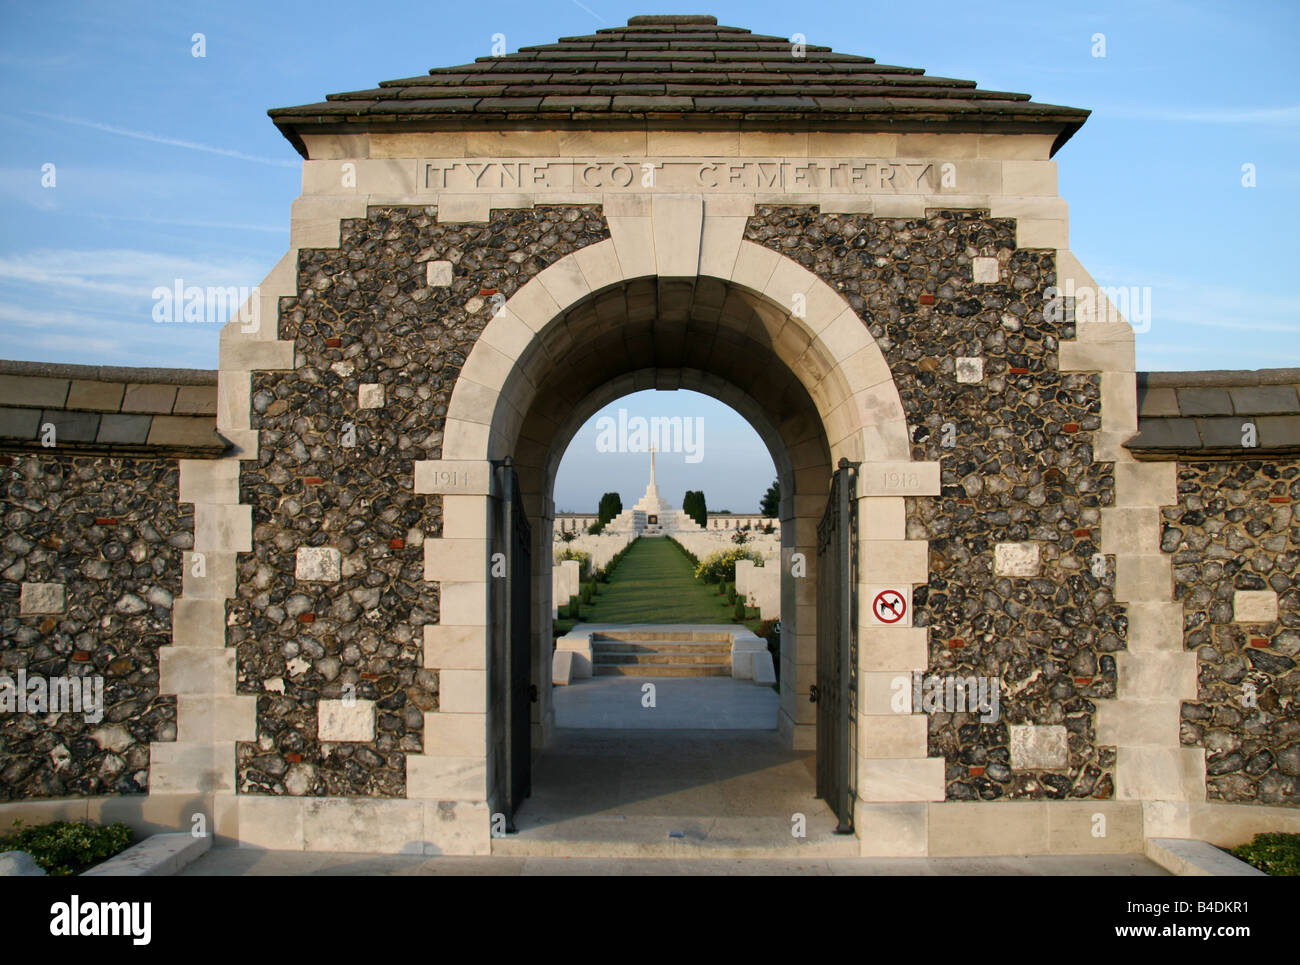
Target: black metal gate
[
  {"x": 836, "y": 690},
  {"x": 515, "y": 628}
]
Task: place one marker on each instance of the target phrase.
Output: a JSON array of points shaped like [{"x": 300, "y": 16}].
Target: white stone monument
[{"x": 651, "y": 516}]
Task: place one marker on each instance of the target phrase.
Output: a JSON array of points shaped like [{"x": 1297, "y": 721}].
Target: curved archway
[
  {"x": 820, "y": 340},
  {"x": 678, "y": 299}
]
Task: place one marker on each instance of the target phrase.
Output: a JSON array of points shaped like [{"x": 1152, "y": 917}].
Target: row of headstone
[
  {"x": 768, "y": 546},
  {"x": 566, "y": 575}
]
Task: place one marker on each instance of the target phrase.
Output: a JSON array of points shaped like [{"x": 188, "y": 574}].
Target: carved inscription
[
  {"x": 841, "y": 175},
  {"x": 453, "y": 477}
]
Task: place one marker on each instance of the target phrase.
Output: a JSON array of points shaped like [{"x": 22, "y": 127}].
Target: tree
[
  {"x": 611, "y": 504},
  {"x": 693, "y": 505},
  {"x": 770, "y": 506}
]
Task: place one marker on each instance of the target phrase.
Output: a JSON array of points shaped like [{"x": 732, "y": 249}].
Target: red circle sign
[{"x": 889, "y": 606}]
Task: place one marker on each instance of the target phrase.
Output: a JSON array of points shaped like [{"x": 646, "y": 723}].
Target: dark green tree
[
  {"x": 770, "y": 506},
  {"x": 611, "y": 504},
  {"x": 693, "y": 505}
]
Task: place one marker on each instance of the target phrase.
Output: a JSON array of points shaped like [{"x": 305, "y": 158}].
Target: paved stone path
[
  {"x": 250, "y": 861},
  {"x": 707, "y": 703},
  {"x": 665, "y": 802}
]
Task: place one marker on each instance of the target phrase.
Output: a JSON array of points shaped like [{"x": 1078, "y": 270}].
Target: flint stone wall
[
  {"x": 365, "y": 314},
  {"x": 1235, "y": 527},
  {"x": 1020, "y": 468},
  {"x": 110, "y": 531}
]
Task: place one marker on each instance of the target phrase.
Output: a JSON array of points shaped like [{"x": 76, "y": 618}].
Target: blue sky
[
  {"x": 166, "y": 165},
  {"x": 723, "y": 456}
]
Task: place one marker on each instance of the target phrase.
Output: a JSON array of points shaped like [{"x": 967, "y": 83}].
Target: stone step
[
  {"x": 700, "y": 837},
  {"x": 630, "y": 646},
  {"x": 662, "y": 636},
  {"x": 611, "y": 658},
  {"x": 660, "y": 670}
]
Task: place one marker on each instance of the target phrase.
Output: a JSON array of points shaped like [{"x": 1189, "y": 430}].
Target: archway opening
[
  {"x": 666, "y": 601},
  {"x": 727, "y": 342}
]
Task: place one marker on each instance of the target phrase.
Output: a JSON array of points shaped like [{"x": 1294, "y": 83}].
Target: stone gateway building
[{"x": 294, "y": 608}]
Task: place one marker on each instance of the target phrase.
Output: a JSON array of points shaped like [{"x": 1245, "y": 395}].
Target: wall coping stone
[{"x": 109, "y": 373}]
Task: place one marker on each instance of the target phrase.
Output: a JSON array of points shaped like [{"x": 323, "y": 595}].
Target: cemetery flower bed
[
  {"x": 720, "y": 565},
  {"x": 68, "y": 847},
  {"x": 582, "y": 556}
]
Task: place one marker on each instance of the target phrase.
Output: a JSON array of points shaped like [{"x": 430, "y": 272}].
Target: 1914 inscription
[{"x": 453, "y": 477}]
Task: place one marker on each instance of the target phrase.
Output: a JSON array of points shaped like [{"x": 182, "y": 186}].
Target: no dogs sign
[{"x": 889, "y": 606}]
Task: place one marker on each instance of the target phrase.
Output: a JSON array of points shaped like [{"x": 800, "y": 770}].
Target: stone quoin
[{"x": 300, "y": 635}]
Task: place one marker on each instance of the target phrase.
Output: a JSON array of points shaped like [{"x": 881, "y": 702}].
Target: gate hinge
[
  {"x": 812, "y": 694},
  {"x": 532, "y": 693}
]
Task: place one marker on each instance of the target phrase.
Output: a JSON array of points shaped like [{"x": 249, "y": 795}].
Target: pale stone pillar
[{"x": 452, "y": 773}]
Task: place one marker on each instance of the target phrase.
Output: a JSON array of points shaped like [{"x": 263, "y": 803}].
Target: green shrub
[
  {"x": 739, "y": 613},
  {"x": 730, "y": 589},
  {"x": 68, "y": 847},
  {"x": 1274, "y": 854},
  {"x": 568, "y": 553},
  {"x": 596, "y": 528},
  {"x": 720, "y": 565},
  {"x": 585, "y": 593}
]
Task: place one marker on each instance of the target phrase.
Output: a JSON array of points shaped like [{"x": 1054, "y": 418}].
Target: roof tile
[{"x": 684, "y": 66}]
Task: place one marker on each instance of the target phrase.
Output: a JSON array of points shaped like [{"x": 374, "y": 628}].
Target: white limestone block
[
  {"x": 970, "y": 371},
  {"x": 42, "y": 599},
  {"x": 438, "y": 274},
  {"x": 345, "y": 720},
  {"x": 562, "y": 667},
  {"x": 1036, "y": 746},
  {"x": 580, "y": 646},
  {"x": 370, "y": 395},
  {"x": 985, "y": 270},
  {"x": 1016, "y": 559},
  {"x": 1248, "y": 606},
  {"x": 318, "y": 564}
]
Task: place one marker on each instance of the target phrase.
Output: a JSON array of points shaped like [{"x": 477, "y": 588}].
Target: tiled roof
[
  {"x": 102, "y": 410},
  {"x": 683, "y": 69},
  {"x": 1216, "y": 415}
]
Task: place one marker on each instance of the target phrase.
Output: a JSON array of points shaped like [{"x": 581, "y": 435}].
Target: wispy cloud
[
  {"x": 599, "y": 18},
  {"x": 1264, "y": 116},
  {"x": 121, "y": 272},
  {"x": 96, "y": 338},
  {"x": 180, "y": 222},
  {"x": 163, "y": 139}
]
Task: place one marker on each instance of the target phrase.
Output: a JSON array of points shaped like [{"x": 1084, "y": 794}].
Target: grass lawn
[{"x": 654, "y": 583}]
